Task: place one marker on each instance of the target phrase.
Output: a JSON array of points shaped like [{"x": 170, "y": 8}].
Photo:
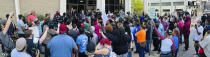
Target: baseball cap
[
  {"x": 62, "y": 28},
  {"x": 20, "y": 44},
  {"x": 169, "y": 32},
  {"x": 199, "y": 20},
  {"x": 105, "y": 41},
  {"x": 36, "y": 19}
]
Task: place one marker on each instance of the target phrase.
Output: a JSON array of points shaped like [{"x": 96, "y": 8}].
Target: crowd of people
[{"x": 88, "y": 34}]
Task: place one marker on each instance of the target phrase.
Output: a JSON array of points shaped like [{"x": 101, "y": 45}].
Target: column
[
  {"x": 127, "y": 6},
  {"x": 62, "y": 6},
  {"x": 17, "y": 8},
  {"x": 100, "y": 4}
]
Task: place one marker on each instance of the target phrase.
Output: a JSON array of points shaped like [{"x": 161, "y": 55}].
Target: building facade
[
  {"x": 42, "y": 7},
  {"x": 165, "y": 6}
]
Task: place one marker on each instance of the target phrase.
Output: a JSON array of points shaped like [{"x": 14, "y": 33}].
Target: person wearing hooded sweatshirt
[{"x": 186, "y": 32}]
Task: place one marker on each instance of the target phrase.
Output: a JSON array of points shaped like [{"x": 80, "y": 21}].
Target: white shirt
[
  {"x": 166, "y": 44},
  {"x": 205, "y": 44},
  {"x": 15, "y": 53},
  {"x": 196, "y": 36},
  {"x": 35, "y": 31}
]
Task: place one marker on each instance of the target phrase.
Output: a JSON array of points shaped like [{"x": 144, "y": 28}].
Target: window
[
  {"x": 208, "y": 5},
  {"x": 156, "y": 10},
  {"x": 178, "y": 3},
  {"x": 166, "y": 10},
  {"x": 166, "y": 4},
  {"x": 155, "y": 4}
]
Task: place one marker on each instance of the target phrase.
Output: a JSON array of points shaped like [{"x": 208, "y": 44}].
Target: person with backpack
[{"x": 6, "y": 40}]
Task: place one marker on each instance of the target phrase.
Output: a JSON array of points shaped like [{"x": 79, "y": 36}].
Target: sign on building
[{"x": 152, "y": 13}]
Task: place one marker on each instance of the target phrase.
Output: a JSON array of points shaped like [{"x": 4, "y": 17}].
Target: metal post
[{"x": 160, "y": 7}]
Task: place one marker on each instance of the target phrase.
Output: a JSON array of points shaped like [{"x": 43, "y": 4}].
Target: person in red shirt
[{"x": 32, "y": 16}]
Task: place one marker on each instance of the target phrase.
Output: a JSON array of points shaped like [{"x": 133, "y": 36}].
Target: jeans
[
  {"x": 180, "y": 41},
  {"x": 147, "y": 49},
  {"x": 186, "y": 41},
  {"x": 141, "y": 51},
  {"x": 176, "y": 53},
  {"x": 135, "y": 40},
  {"x": 130, "y": 53},
  {"x": 166, "y": 55},
  {"x": 123, "y": 55}
]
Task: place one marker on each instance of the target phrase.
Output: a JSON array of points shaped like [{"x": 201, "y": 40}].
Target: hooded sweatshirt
[{"x": 186, "y": 27}]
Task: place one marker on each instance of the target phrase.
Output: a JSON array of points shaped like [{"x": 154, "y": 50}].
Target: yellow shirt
[{"x": 141, "y": 36}]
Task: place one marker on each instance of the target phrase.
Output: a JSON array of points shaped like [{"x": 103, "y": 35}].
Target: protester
[
  {"x": 149, "y": 30},
  {"x": 103, "y": 49},
  {"x": 205, "y": 44},
  {"x": 180, "y": 25},
  {"x": 81, "y": 42},
  {"x": 136, "y": 29},
  {"x": 21, "y": 26},
  {"x": 32, "y": 16},
  {"x": 176, "y": 41},
  {"x": 167, "y": 44},
  {"x": 198, "y": 32},
  {"x": 74, "y": 32},
  {"x": 62, "y": 45},
  {"x": 121, "y": 45},
  {"x": 6, "y": 40},
  {"x": 141, "y": 40},
  {"x": 20, "y": 49},
  {"x": 186, "y": 32}
]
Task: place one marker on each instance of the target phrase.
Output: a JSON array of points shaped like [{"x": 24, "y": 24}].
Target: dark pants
[
  {"x": 180, "y": 40},
  {"x": 47, "y": 51},
  {"x": 186, "y": 41},
  {"x": 135, "y": 40},
  {"x": 148, "y": 46},
  {"x": 141, "y": 51},
  {"x": 201, "y": 55},
  {"x": 166, "y": 55},
  {"x": 196, "y": 46},
  {"x": 82, "y": 55},
  {"x": 176, "y": 53},
  {"x": 156, "y": 44}
]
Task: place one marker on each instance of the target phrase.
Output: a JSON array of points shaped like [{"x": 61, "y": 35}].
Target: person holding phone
[{"x": 198, "y": 32}]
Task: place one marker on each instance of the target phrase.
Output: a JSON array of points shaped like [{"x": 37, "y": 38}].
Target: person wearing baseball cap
[
  {"x": 62, "y": 44},
  {"x": 20, "y": 49}
]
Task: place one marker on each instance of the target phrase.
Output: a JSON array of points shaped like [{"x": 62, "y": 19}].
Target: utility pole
[{"x": 160, "y": 8}]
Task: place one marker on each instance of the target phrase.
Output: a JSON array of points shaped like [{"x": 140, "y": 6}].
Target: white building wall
[
  {"x": 128, "y": 6},
  {"x": 171, "y": 7},
  {"x": 100, "y": 4}
]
